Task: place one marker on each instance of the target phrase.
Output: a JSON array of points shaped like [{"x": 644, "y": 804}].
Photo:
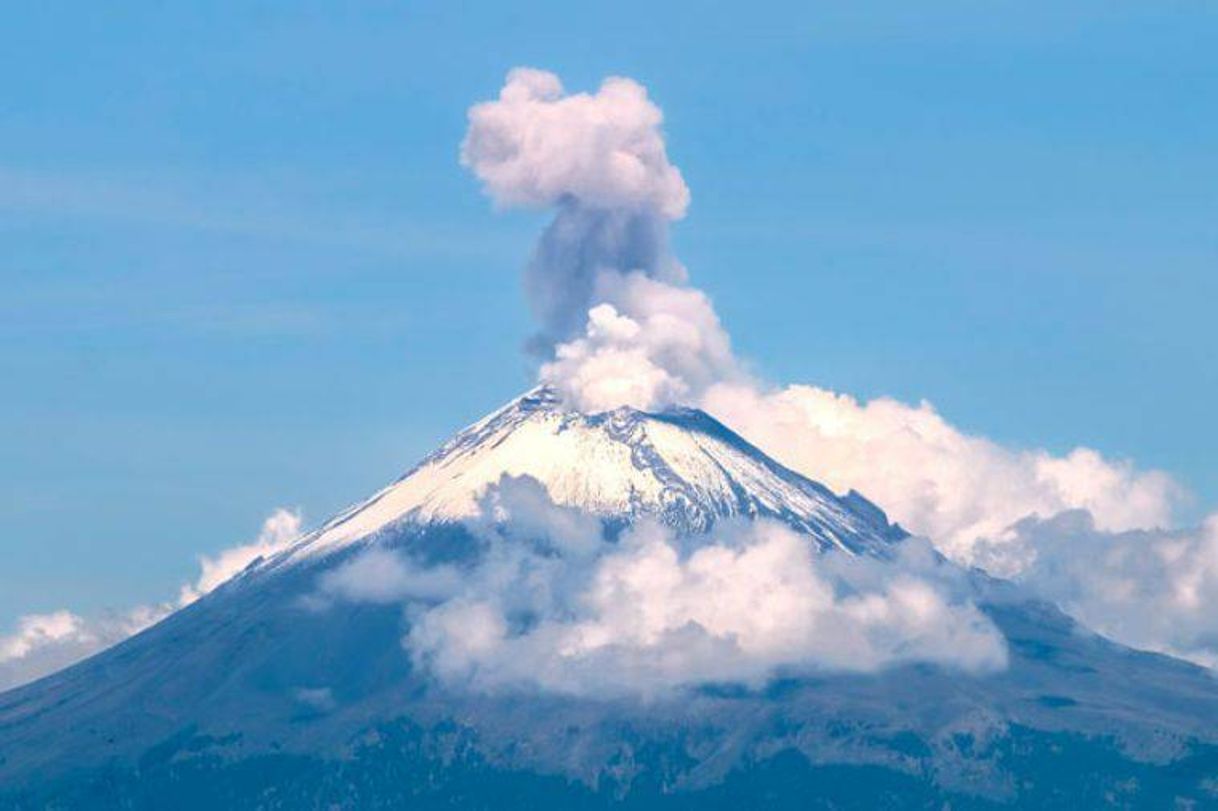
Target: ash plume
[{"x": 621, "y": 325}]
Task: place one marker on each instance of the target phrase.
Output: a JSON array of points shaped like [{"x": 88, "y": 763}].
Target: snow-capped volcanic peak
[{"x": 681, "y": 467}]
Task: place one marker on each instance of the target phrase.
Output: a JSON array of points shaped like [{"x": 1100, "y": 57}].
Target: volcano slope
[{"x": 271, "y": 692}]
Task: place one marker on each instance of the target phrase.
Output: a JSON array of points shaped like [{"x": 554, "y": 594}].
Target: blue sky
[{"x": 243, "y": 269}]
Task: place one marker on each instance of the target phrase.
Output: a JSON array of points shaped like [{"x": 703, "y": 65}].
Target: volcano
[
  {"x": 256, "y": 697},
  {"x": 681, "y": 467}
]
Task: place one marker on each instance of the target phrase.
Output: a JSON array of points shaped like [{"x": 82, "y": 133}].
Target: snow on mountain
[{"x": 681, "y": 467}]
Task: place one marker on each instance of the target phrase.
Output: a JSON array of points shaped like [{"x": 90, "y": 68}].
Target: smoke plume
[
  {"x": 623, "y": 327},
  {"x": 598, "y": 160}
]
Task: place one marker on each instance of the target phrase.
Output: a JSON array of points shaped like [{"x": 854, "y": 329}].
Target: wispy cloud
[
  {"x": 238, "y": 206},
  {"x": 278, "y": 531},
  {"x": 44, "y": 643},
  {"x": 629, "y": 329}
]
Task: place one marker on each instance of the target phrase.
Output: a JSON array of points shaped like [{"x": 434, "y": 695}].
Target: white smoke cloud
[
  {"x": 537, "y": 146},
  {"x": 563, "y": 609},
  {"x": 649, "y": 344},
  {"x": 599, "y": 160},
  {"x": 625, "y": 328},
  {"x": 45, "y": 643}
]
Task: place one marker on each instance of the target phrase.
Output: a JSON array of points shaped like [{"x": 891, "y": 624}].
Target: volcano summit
[{"x": 681, "y": 467}]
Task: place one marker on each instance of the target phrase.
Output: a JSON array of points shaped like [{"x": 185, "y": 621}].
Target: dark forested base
[{"x": 407, "y": 768}]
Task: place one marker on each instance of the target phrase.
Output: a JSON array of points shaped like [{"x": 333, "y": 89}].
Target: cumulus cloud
[
  {"x": 935, "y": 479},
  {"x": 380, "y": 576},
  {"x": 564, "y": 609},
  {"x": 279, "y": 530},
  {"x": 1154, "y": 590},
  {"x": 1077, "y": 529},
  {"x": 44, "y": 643},
  {"x": 518, "y": 510}
]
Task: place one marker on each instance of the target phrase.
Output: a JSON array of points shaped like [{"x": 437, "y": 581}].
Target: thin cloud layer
[
  {"x": 44, "y": 643},
  {"x": 563, "y": 609}
]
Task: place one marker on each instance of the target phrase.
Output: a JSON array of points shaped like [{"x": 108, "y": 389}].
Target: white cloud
[
  {"x": 380, "y": 576},
  {"x": 600, "y": 162},
  {"x": 519, "y": 510},
  {"x": 44, "y": 643},
  {"x": 935, "y": 479},
  {"x": 279, "y": 530},
  {"x": 318, "y": 699},
  {"x": 652, "y": 345},
  {"x": 630, "y": 335},
  {"x": 644, "y": 614},
  {"x": 1151, "y": 590},
  {"x": 38, "y": 630}
]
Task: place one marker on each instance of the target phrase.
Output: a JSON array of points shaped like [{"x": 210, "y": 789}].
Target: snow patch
[{"x": 681, "y": 468}]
